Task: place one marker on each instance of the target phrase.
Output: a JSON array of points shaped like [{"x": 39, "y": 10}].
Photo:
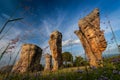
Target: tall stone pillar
[
  {"x": 48, "y": 62},
  {"x": 92, "y": 38},
  {"x": 86, "y": 46},
  {"x": 55, "y": 43},
  {"x": 29, "y": 59}
]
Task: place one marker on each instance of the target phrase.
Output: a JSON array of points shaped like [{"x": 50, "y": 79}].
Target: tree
[
  {"x": 79, "y": 61},
  {"x": 67, "y": 57}
]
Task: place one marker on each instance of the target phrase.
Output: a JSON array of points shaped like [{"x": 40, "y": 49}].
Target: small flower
[
  {"x": 116, "y": 60},
  {"x": 93, "y": 67},
  {"x": 106, "y": 78},
  {"x": 115, "y": 71},
  {"x": 104, "y": 71},
  {"x": 35, "y": 75},
  {"x": 103, "y": 78},
  {"x": 79, "y": 71},
  {"x": 119, "y": 72}
]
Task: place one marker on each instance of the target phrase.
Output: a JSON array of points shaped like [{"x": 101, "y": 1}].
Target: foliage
[
  {"x": 79, "y": 61},
  {"x": 110, "y": 71},
  {"x": 67, "y": 57}
]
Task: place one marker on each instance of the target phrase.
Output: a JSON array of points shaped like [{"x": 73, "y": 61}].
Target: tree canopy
[
  {"x": 67, "y": 56},
  {"x": 79, "y": 61}
]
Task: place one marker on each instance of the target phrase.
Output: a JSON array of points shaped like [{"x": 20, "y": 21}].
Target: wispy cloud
[
  {"x": 5, "y": 16},
  {"x": 60, "y": 18},
  {"x": 70, "y": 42},
  {"x": 69, "y": 31},
  {"x": 47, "y": 26},
  {"x": 114, "y": 21},
  {"x": 50, "y": 24}
]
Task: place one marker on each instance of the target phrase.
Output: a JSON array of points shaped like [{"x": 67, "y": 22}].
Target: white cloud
[{"x": 70, "y": 42}]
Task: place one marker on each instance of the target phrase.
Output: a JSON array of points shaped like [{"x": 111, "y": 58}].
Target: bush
[{"x": 79, "y": 61}]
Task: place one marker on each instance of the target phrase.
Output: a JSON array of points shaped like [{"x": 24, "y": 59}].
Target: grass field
[{"x": 110, "y": 71}]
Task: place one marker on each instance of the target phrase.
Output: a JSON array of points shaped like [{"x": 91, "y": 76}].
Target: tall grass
[{"x": 110, "y": 71}]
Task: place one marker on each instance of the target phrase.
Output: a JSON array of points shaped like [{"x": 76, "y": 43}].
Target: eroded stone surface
[
  {"x": 92, "y": 38},
  {"x": 48, "y": 62},
  {"x": 29, "y": 59},
  {"x": 55, "y": 43}
]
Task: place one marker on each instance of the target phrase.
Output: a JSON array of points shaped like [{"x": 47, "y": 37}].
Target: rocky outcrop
[
  {"x": 92, "y": 38},
  {"x": 29, "y": 59},
  {"x": 48, "y": 62},
  {"x": 55, "y": 43}
]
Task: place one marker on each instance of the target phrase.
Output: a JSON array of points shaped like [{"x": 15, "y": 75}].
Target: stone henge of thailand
[
  {"x": 48, "y": 62},
  {"x": 92, "y": 38},
  {"x": 55, "y": 44},
  {"x": 29, "y": 59}
]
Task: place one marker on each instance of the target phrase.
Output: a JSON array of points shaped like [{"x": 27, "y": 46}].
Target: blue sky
[{"x": 41, "y": 17}]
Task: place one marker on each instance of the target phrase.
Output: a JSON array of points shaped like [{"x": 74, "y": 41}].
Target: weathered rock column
[
  {"x": 48, "y": 62},
  {"x": 29, "y": 59},
  {"x": 92, "y": 38},
  {"x": 86, "y": 46},
  {"x": 55, "y": 43}
]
